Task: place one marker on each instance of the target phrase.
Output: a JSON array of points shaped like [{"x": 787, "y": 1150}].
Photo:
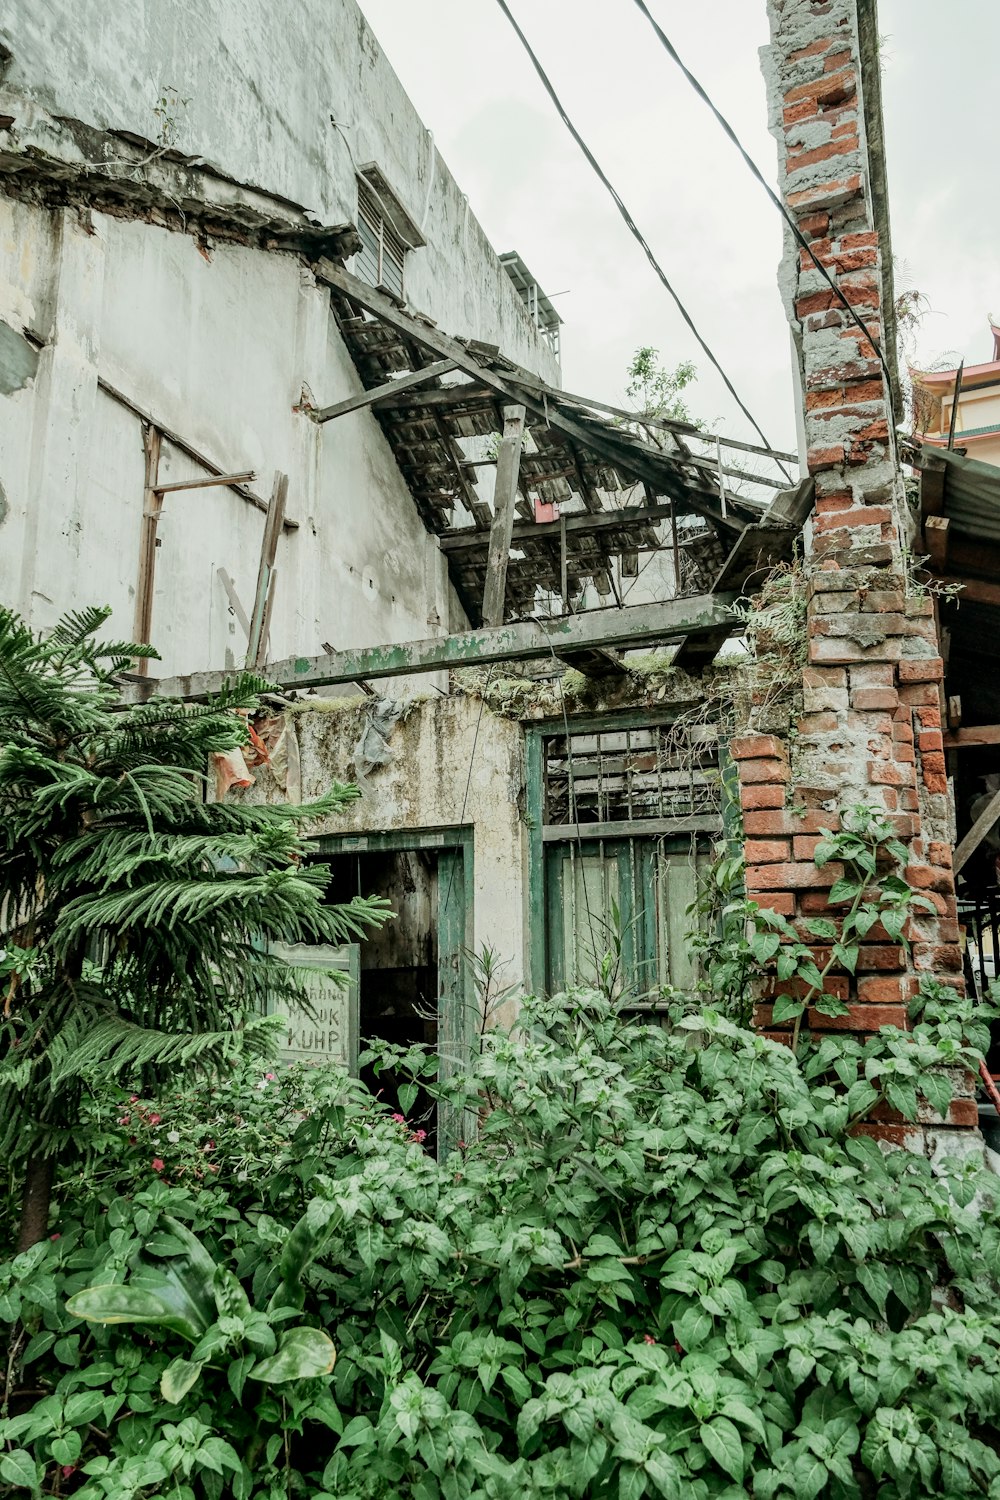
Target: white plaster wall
[
  {"x": 427, "y": 784},
  {"x": 217, "y": 350},
  {"x": 262, "y": 81}
]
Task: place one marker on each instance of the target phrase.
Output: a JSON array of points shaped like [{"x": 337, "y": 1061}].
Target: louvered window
[{"x": 380, "y": 259}]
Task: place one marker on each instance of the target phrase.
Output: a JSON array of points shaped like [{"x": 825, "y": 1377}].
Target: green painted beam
[{"x": 635, "y": 626}]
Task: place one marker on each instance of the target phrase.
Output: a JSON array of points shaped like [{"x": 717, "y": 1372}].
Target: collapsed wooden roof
[{"x": 615, "y": 490}]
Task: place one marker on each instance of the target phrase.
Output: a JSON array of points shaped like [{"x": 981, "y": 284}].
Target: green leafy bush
[{"x": 668, "y": 1266}]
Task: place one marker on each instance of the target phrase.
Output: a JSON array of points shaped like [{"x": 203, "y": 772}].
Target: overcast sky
[{"x": 710, "y": 224}]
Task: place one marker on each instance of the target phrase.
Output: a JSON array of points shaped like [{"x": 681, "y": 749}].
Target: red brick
[
  {"x": 873, "y": 674},
  {"x": 822, "y": 44},
  {"x": 756, "y": 747},
  {"x": 784, "y": 1037},
  {"x": 919, "y": 694},
  {"x": 790, "y": 823},
  {"x": 931, "y": 739},
  {"x": 765, "y": 851},
  {"x": 928, "y": 878},
  {"x": 830, "y": 89},
  {"x": 753, "y": 798},
  {"x": 825, "y": 677},
  {"x": 796, "y": 160},
  {"x": 939, "y": 853},
  {"x": 937, "y": 957},
  {"x": 860, "y": 1018},
  {"x": 870, "y": 698},
  {"x": 764, "y": 771},
  {"x": 862, "y": 515},
  {"x": 933, "y": 761},
  {"x": 792, "y": 876},
  {"x": 825, "y": 458},
  {"x": 903, "y": 1136},
  {"x": 782, "y": 902},
  {"x": 879, "y": 990},
  {"x": 936, "y": 782},
  {"x": 902, "y": 731},
  {"x": 963, "y": 1112},
  {"x": 880, "y": 956},
  {"x": 888, "y": 773},
  {"x": 921, "y": 669},
  {"x": 821, "y": 722}
]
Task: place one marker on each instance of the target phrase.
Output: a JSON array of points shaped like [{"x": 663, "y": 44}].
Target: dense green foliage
[
  {"x": 133, "y": 914},
  {"x": 668, "y": 1266}
]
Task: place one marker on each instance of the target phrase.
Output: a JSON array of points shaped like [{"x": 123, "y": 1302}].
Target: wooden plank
[
  {"x": 504, "y": 496},
  {"x": 390, "y": 388},
  {"x": 531, "y": 393},
  {"x": 978, "y": 734},
  {"x": 231, "y": 480},
  {"x": 597, "y": 662},
  {"x": 470, "y": 540},
  {"x": 235, "y": 602},
  {"x": 635, "y": 626},
  {"x": 978, "y": 831},
  {"x": 936, "y": 541},
  {"x": 152, "y": 505},
  {"x": 268, "y": 550},
  {"x": 183, "y": 445}
]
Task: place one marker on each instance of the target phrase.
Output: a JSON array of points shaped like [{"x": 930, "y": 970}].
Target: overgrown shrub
[{"x": 666, "y": 1267}]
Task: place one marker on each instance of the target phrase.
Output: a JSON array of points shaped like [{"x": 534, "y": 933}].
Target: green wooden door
[{"x": 454, "y": 1017}]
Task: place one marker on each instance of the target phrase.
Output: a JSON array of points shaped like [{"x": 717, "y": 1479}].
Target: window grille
[
  {"x": 625, "y": 775},
  {"x": 380, "y": 259}
]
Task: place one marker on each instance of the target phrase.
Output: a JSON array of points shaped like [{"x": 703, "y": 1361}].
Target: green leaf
[
  {"x": 844, "y": 889},
  {"x": 786, "y": 1008},
  {"x": 822, "y": 927},
  {"x": 902, "y": 1097},
  {"x": 118, "y": 1303},
  {"x": 723, "y": 1442},
  {"x": 19, "y": 1469},
  {"x": 407, "y": 1096},
  {"x": 302, "y": 1354},
  {"x": 826, "y": 849},
  {"x": 786, "y": 965},
  {"x": 846, "y": 955},
  {"x": 178, "y": 1378},
  {"x": 764, "y": 945}
]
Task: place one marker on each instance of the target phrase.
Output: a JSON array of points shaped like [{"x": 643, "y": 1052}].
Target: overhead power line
[
  {"x": 769, "y": 190},
  {"x": 634, "y": 228}
]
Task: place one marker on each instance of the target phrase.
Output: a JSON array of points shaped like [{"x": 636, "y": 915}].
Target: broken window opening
[{"x": 623, "y": 775}]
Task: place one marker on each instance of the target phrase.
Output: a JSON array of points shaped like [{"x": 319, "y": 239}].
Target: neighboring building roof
[{"x": 538, "y": 304}]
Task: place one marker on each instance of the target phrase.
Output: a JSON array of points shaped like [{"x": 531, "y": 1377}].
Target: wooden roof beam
[{"x": 635, "y": 626}]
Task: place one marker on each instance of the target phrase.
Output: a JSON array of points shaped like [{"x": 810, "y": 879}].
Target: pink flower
[
  {"x": 271, "y": 1077},
  {"x": 462, "y": 1146},
  {"x": 419, "y": 1136},
  {"x": 153, "y": 1120},
  {"x": 55, "y": 1236},
  {"x": 648, "y": 1338},
  {"x": 67, "y": 1470},
  {"x": 133, "y": 1098},
  {"x": 399, "y": 1119},
  {"x": 157, "y": 1164},
  {"x": 124, "y": 1119}
]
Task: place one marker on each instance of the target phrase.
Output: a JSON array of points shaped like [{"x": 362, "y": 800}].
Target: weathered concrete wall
[
  {"x": 871, "y": 731},
  {"x": 427, "y": 784},
  {"x": 215, "y": 339},
  {"x": 261, "y": 83}
]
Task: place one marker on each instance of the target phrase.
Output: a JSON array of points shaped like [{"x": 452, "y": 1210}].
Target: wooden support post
[
  {"x": 504, "y": 497},
  {"x": 152, "y": 504},
  {"x": 268, "y": 551},
  {"x": 978, "y": 831},
  {"x": 206, "y": 482}
]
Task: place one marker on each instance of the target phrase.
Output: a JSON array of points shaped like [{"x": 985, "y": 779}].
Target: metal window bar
[{"x": 626, "y": 775}]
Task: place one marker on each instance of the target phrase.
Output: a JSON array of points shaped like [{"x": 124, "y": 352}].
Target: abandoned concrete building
[{"x": 270, "y": 271}]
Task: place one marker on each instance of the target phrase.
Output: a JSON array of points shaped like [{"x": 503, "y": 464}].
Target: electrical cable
[
  {"x": 783, "y": 211},
  {"x": 634, "y": 228}
]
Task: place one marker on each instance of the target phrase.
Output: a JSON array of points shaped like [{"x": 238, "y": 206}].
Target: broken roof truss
[{"x": 616, "y": 490}]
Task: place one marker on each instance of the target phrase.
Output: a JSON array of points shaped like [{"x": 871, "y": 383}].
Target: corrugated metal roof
[{"x": 971, "y": 494}]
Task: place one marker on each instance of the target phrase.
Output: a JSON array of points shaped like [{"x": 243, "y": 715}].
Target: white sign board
[{"x": 326, "y": 1030}]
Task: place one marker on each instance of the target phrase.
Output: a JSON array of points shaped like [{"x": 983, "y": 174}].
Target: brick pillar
[{"x": 871, "y": 727}]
